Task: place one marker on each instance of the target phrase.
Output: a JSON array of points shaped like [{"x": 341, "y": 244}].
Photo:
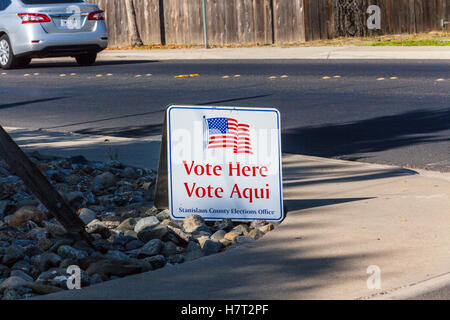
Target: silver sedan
[{"x": 50, "y": 28}]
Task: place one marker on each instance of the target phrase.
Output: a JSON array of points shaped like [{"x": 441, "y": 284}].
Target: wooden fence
[{"x": 266, "y": 21}]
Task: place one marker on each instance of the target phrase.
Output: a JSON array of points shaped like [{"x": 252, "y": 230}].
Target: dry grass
[{"x": 435, "y": 38}]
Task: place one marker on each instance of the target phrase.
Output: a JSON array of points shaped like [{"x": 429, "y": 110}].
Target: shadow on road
[
  {"x": 371, "y": 135},
  {"x": 56, "y": 64},
  {"x": 126, "y": 132},
  {"x": 138, "y": 131},
  {"x": 23, "y": 103}
]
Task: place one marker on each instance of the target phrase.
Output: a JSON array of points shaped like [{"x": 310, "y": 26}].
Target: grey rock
[
  {"x": 145, "y": 266},
  {"x": 129, "y": 173},
  {"x": 32, "y": 251},
  {"x": 243, "y": 239},
  {"x": 193, "y": 252},
  {"x": 67, "y": 263},
  {"x": 257, "y": 224},
  {"x": 203, "y": 230},
  {"x": 4, "y": 271},
  {"x": 106, "y": 179},
  {"x": 13, "y": 254},
  {"x": 56, "y": 230},
  {"x": 219, "y": 235},
  {"x": 121, "y": 240},
  {"x": 13, "y": 282},
  {"x": 46, "y": 276},
  {"x": 37, "y": 234},
  {"x": 193, "y": 255},
  {"x": 74, "y": 196},
  {"x": 60, "y": 242},
  {"x": 47, "y": 261},
  {"x": 267, "y": 228},
  {"x": 149, "y": 194},
  {"x": 45, "y": 244},
  {"x": 40, "y": 288},
  {"x": 128, "y": 224},
  {"x": 73, "y": 179},
  {"x": 98, "y": 227},
  {"x": 130, "y": 233},
  {"x": 96, "y": 279},
  {"x": 83, "y": 246},
  {"x": 4, "y": 204},
  {"x": 157, "y": 261},
  {"x": 15, "y": 293},
  {"x": 211, "y": 247},
  {"x": 151, "y": 212},
  {"x": 28, "y": 226},
  {"x": 241, "y": 229},
  {"x": 226, "y": 243},
  {"x": 21, "y": 274},
  {"x": 151, "y": 248},
  {"x": 169, "y": 249},
  {"x": 59, "y": 281},
  {"x": 78, "y": 160},
  {"x": 256, "y": 234},
  {"x": 21, "y": 265},
  {"x": 71, "y": 253},
  {"x": 201, "y": 240},
  {"x": 225, "y": 224},
  {"x": 163, "y": 215},
  {"x": 116, "y": 255},
  {"x": 192, "y": 222},
  {"x": 24, "y": 243},
  {"x": 146, "y": 223},
  {"x": 192, "y": 246},
  {"x": 157, "y": 232},
  {"x": 87, "y": 215},
  {"x": 182, "y": 236},
  {"x": 135, "y": 244},
  {"x": 112, "y": 268},
  {"x": 231, "y": 236},
  {"x": 177, "y": 258}
]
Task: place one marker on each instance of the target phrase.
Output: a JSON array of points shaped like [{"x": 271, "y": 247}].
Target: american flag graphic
[{"x": 227, "y": 133}]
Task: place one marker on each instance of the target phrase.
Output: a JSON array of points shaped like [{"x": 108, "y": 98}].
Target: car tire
[
  {"x": 86, "y": 59},
  {"x": 7, "y": 58}
]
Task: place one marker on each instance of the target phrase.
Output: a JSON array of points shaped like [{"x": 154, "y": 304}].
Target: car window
[
  {"x": 4, "y": 4},
  {"x": 50, "y": 1}
]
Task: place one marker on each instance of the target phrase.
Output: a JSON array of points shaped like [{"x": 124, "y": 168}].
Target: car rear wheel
[
  {"x": 86, "y": 59},
  {"x": 7, "y": 58}
]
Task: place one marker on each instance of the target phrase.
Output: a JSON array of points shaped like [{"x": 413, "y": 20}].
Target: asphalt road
[{"x": 353, "y": 114}]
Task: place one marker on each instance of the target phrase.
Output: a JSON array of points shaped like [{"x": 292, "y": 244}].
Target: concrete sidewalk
[
  {"x": 343, "y": 217},
  {"x": 266, "y": 53}
]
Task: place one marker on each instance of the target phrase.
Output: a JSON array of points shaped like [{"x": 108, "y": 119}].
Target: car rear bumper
[
  {"x": 35, "y": 42},
  {"x": 62, "y": 51}
]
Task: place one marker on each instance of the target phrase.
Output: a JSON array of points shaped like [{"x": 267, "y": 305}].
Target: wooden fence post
[{"x": 22, "y": 167}]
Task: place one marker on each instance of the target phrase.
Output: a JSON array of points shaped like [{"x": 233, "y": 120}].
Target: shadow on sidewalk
[{"x": 302, "y": 204}]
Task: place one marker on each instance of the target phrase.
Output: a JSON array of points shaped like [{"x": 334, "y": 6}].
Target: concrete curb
[
  {"x": 278, "y": 53},
  {"x": 414, "y": 290}
]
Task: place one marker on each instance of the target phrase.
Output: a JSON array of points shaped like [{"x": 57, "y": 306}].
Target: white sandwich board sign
[{"x": 224, "y": 162}]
